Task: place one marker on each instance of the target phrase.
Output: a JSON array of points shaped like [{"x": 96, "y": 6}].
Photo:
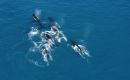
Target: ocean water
[{"x": 103, "y": 25}]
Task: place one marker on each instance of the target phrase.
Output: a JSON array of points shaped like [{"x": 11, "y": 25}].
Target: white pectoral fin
[
  {"x": 58, "y": 39},
  {"x": 45, "y": 58},
  {"x": 82, "y": 56},
  {"x": 85, "y": 51},
  {"x": 50, "y": 57},
  {"x": 65, "y": 38},
  {"x": 35, "y": 44}
]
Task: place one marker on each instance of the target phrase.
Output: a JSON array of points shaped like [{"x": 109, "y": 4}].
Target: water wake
[{"x": 43, "y": 44}]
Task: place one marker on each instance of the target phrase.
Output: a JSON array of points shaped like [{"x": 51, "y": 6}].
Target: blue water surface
[{"x": 104, "y": 25}]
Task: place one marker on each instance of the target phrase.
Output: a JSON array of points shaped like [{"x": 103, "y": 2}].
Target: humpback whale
[
  {"x": 74, "y": 43},
  {"x": 36, "y": 19}
]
